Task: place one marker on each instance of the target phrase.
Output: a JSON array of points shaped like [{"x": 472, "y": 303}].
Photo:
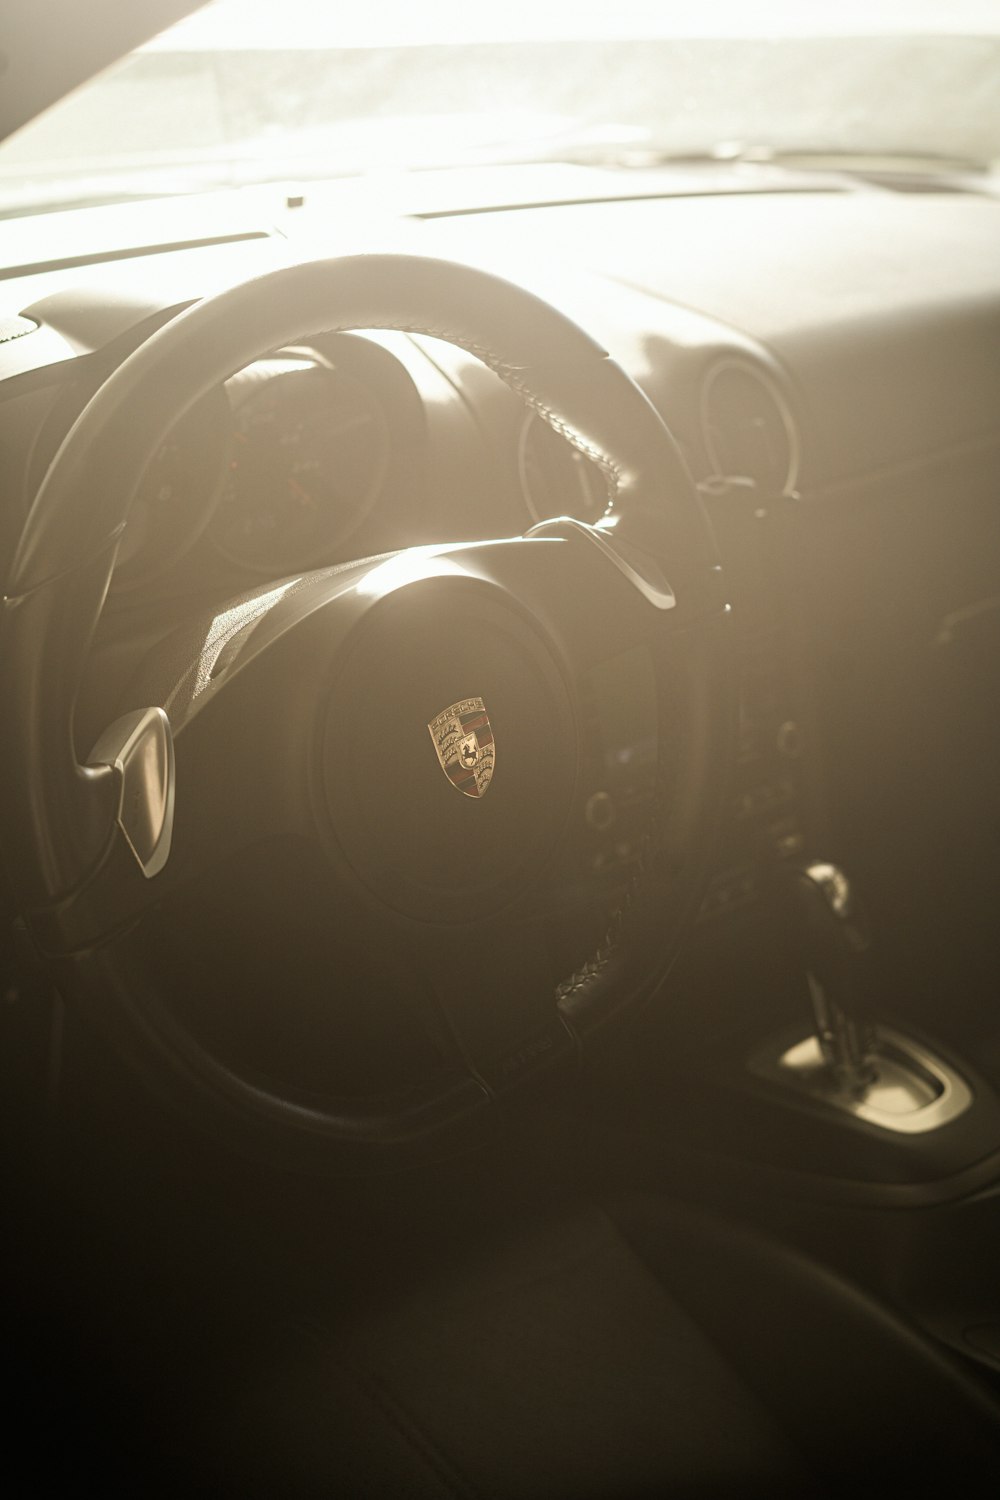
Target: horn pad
[{"x": 443, "y": 842}]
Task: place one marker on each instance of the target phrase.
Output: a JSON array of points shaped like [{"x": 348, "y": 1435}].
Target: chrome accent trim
[
  {"x": 140, "y": 747},
  {"x": 650, "y": 583},
  {"x": 913, "y": 1090}
]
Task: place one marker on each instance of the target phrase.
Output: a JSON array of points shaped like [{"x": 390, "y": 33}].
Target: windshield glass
[{"x": 252, "y": 91}]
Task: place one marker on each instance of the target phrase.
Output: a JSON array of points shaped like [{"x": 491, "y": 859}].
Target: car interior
[{"x": 500, "y": 825}]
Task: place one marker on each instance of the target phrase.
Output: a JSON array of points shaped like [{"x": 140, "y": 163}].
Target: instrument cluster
[
  {"x": 274, "y": 472},
  {"x": 308, "y": 450}
]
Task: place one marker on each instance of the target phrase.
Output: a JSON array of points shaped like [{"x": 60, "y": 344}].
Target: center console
[{"x": 785, "y": 1070}]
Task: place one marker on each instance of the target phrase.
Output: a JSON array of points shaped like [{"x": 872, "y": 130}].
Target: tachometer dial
[
  {"x": 155, "y": 498},
  {"x": 175, "y": 495},
  {"x": 308, "y": 456}
]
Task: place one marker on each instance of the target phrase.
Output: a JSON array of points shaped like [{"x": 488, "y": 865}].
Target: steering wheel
[{"x": 437, "y": 723}]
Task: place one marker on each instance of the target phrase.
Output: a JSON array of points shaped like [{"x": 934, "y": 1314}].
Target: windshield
[{"x": 252, "y": 91}]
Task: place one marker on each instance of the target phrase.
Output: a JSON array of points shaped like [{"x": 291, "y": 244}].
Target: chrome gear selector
[{"x": 851, "y": 1060}]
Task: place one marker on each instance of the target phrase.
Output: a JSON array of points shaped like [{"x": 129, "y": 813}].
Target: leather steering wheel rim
[{"x": 60, "y": 832}]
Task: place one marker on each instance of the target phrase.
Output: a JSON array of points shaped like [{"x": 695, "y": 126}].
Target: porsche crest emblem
[{"x": 463, "y": 739}]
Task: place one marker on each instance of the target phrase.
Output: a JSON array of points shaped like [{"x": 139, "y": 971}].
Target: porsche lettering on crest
[{"x": 463, "y": 739}]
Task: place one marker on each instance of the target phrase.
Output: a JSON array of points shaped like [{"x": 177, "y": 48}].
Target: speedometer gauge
[
  {"x": 175, "y": 495},
  {"x": 307, "y": 462}
]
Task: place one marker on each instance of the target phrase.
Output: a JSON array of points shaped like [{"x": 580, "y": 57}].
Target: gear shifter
[
  {"x": 852, "y": 1062},
  {"x": 835, "y": 947}
]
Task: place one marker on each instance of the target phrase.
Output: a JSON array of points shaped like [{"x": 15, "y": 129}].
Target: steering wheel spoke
[{"x": 510, "y": 750}]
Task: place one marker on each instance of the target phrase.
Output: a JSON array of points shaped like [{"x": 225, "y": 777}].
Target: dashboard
[
  {"x": 827, "y": 357},
  {"x": 826, "y": 354}
]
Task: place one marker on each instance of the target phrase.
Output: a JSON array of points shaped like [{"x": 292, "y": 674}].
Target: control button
[
  {"x": 788, "y": 740},
  {"x": 600, "y": 811}
]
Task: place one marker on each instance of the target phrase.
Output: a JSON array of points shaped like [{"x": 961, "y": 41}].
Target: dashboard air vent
[{"x": 748, "y": 428}]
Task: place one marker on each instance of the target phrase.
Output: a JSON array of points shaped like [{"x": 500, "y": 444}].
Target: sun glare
[{"x": 305, "y": 23}]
